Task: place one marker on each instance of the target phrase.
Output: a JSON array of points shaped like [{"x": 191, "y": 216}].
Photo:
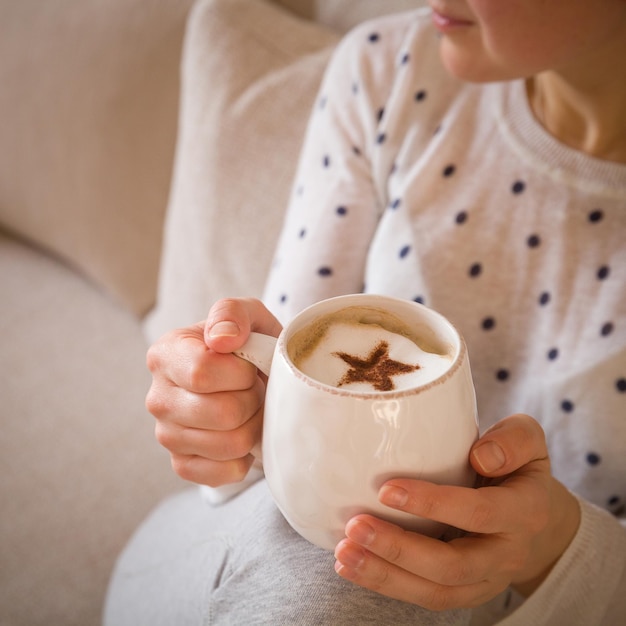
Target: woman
[{"x": 472, "y": 158}]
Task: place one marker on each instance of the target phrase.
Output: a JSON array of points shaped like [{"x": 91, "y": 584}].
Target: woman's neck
[
  {"x": 583, "y": 104},
  {"x": 591, "y": 120}
]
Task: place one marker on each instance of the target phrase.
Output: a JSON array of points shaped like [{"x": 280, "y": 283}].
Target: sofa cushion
[
  {"x": 251, "y": 71},
  {"x": 344, "y": 14},
  {"x": 79, "y": 466},
  {"x": 88, "y": 103}
]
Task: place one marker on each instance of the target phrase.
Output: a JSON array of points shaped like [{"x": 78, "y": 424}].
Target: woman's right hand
[{"x": 208, "y": 403}]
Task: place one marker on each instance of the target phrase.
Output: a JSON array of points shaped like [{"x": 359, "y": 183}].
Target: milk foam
[{"x": 348, "y": 352}]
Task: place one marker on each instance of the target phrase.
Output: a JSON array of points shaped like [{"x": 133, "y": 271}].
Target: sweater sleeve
[
  {"x": 587, "y": 587},
  {"x": 334, "y": 206},
  {"x": 339, "y": 194}
]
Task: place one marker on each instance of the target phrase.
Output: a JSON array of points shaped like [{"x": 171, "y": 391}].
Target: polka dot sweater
[{"x": 416, "y": 185}]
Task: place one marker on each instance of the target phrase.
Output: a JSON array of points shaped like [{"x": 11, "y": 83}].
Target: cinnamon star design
[{"x": 377, "y": 369}]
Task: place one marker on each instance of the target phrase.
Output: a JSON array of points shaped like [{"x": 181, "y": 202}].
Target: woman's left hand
[{"x": 517, "y": 526}]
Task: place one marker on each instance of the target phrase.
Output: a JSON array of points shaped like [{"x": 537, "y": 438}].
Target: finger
[
  {"x": 508, "y": 445},
  {"x": 460, "y": 562},
  {"x": 489, "y": 510},
  {"x": 182, "y": 358},
  {"x": 368, "y": 570},
  {"x": 219, "y": 443},
  {"x": 215, "y": 445},
  {"x": 222, "y": 410},
  {"x": 203, "y": 471},
  {"x": 231, "y": 320}
]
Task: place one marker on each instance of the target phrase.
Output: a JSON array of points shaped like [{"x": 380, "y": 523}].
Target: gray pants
[{"x": 240, "y": 563}]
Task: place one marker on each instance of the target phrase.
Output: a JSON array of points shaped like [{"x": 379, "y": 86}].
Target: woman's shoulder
[
  {"x": 384, "y": 41},
  {"x": 394, "y": 26}
]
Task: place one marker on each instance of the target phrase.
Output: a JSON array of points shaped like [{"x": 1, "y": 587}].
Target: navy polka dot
[
  {"x": 325, "y": 271},
  {"x": 404, "y": 251},
  {"x": 373, "y": 37},
  {"x": 381, "y": 112},
  {"x": 533, "y": 241},
  {"x": 475, "y": 270},
  {"x": 596, "y": 216},
  {"x": 567, "y": 406},
  {"x": 488, "y": 323},
  {"x": 405, "y": 58},
  {"x": 395, "y": 204},
  {"x": 283, "y": 298},
  {"x": 620, "y": 385},
  {"x": 418, "y": 299},
  {"x": 502, "y": 375},
  {"x": 381, "y": 138},
  {"x": 603, "y": 272},
  {"x": 341, "y": 211},
  {"x": 420, "y": 95},
  {"x": 302, "y": 233},
  {"x": 449, "y": 170},
  {"x": 518, "y": 187},
  {"x": 606, "y": 329},
  {"x": 461, "y": 217},
  {"x": 356, "y": 151},
  {"x": 553, "y": 354},
  {"x": 593, "y": 458},
  {"x": 326, "y": 161}
]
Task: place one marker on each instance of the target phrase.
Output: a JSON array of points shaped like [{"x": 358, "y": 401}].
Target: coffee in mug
[{"x": 366, "y": 350}]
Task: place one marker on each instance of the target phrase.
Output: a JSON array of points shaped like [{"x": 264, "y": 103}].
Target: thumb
[
  {"x": 509, "y": 445},
  {"x": 231, "y": 320}
]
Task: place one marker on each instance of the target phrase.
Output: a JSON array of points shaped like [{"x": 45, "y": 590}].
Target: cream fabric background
[
  {"x": 79, "y": 465},
  {"x": 91, "y": 92}
]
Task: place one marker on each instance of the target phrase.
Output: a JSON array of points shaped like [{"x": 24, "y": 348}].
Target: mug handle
[{"x": 259, "y": 350}]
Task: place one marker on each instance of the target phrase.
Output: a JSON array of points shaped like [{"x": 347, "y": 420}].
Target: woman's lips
[{"x": 446, "y": 23}]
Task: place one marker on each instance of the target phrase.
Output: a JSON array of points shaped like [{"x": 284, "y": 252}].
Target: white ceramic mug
[{"x": 327, "y": 450}]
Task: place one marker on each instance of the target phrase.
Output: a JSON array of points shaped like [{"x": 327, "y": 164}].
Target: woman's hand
[
  {"x": 207, "y": 402},
  {"x": 517, "y": 526}
]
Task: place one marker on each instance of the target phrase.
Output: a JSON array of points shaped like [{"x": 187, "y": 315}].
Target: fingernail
[
  {"x": 360, "y": 532},
  {"x": 224, "y": 329},
  {"x": 349, "y": 555},
  {"x": 489, "y": 457},
  {"x": 393, "y": 496}
]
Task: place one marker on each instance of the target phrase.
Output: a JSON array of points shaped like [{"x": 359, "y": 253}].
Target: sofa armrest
[{"x": 88, "y": 104}]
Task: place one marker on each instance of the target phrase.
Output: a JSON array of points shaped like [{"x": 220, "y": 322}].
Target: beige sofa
[{"x": 131, "y": 197}]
